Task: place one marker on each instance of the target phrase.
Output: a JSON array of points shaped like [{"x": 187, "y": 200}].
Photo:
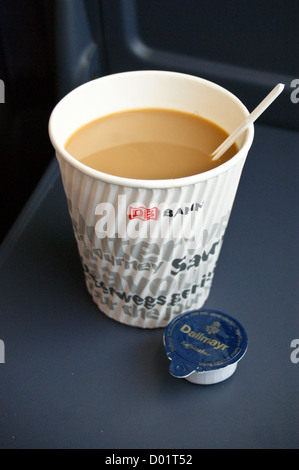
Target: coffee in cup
[{"x": 149, "y": 144}]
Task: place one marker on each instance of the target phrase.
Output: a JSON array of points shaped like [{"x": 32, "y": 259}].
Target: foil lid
[{"x": 204, "y": 345}]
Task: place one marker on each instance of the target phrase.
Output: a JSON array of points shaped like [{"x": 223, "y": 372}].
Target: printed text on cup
[{"x": 163, "y": 220}]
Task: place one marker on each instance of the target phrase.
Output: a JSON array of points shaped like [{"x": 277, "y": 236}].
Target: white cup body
[{"x": 148, "y": 247}]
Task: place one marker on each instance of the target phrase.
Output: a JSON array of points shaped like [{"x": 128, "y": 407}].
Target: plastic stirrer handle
[{"x": 247, "y": 121}]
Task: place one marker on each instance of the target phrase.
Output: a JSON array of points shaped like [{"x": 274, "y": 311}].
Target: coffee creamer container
[{"x": 204, "y": 346}]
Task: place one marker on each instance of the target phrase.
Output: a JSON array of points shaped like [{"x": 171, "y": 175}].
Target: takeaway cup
[{"x": 148, "y": 247}]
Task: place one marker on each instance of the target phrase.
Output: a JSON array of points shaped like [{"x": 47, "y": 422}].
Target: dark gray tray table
[{"x": 73, "y": 378}]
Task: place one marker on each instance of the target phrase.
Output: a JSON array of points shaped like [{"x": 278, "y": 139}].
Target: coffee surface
[{"x": 149, "y": 144}]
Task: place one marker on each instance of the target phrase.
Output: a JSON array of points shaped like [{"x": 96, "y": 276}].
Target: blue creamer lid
[{"x": 204, "y": 345}]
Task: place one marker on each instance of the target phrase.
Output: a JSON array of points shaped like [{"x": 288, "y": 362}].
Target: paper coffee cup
[{"x": 148, "y": 247}]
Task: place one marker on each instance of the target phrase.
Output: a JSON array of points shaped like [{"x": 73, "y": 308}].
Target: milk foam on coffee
[{"x": 149, "y": 144}]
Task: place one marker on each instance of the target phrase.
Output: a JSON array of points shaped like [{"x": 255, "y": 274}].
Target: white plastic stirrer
[{"x": 247, "y": 121}]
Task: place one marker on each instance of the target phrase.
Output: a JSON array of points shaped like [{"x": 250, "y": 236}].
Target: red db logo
[{"x": 143, "y": 213}]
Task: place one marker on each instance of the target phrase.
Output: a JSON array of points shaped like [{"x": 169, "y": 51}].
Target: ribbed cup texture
[{"x": 149, "y": 254}]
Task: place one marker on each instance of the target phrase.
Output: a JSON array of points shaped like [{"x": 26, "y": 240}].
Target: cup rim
[{"x": 153, "y": 183}]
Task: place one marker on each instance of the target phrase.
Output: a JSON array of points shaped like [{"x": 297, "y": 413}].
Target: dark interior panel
[{"x": 48, "y": 47}]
